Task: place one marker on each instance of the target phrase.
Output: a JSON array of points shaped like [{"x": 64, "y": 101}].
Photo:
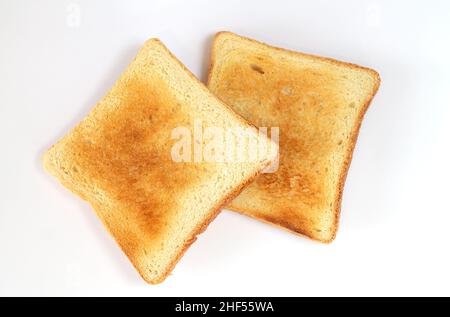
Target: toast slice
[
  {"x": 318, "y": 105},
  {"x": 122, "y": 159}
]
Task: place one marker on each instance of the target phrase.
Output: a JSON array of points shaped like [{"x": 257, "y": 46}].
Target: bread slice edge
[
  {"x": 50, "y": 165},
  {"x": 353, "y": 135}
]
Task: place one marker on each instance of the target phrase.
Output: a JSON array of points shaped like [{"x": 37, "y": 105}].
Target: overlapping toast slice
[
  {"x": 126, "y": 160},
  {"x": 318, "y": 105}
]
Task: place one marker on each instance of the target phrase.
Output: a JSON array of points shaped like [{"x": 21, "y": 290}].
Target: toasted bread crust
[
  {"x": 118, "y": 159},
  {"x": 284, "y": 50},
  {"x": 201, "y": 228},
  {"x": 348, "y": 158},
  {"x": 281, "y": 222}
]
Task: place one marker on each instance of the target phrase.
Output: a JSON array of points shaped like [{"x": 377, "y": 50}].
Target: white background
[{"x": 394, "y": 237}]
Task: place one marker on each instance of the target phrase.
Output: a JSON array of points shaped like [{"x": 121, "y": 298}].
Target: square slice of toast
[
  {"x": 318, "y": 105},
  {"x": 122, "y": 159}
]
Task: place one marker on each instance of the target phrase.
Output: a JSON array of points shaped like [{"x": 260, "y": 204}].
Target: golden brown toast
[
  {"x": 318, "y": 104},
  {"x": 119, "y": 159}
]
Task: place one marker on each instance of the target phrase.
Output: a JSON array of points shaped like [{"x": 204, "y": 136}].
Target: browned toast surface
[
  {"x": 119, "y": 160},
  {"x": 318, "y": 104}
]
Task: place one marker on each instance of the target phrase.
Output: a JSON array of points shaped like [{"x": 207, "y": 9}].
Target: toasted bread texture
[
  {"x": 119, "y": 159},
  {"x": 318, "y": 105}
]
